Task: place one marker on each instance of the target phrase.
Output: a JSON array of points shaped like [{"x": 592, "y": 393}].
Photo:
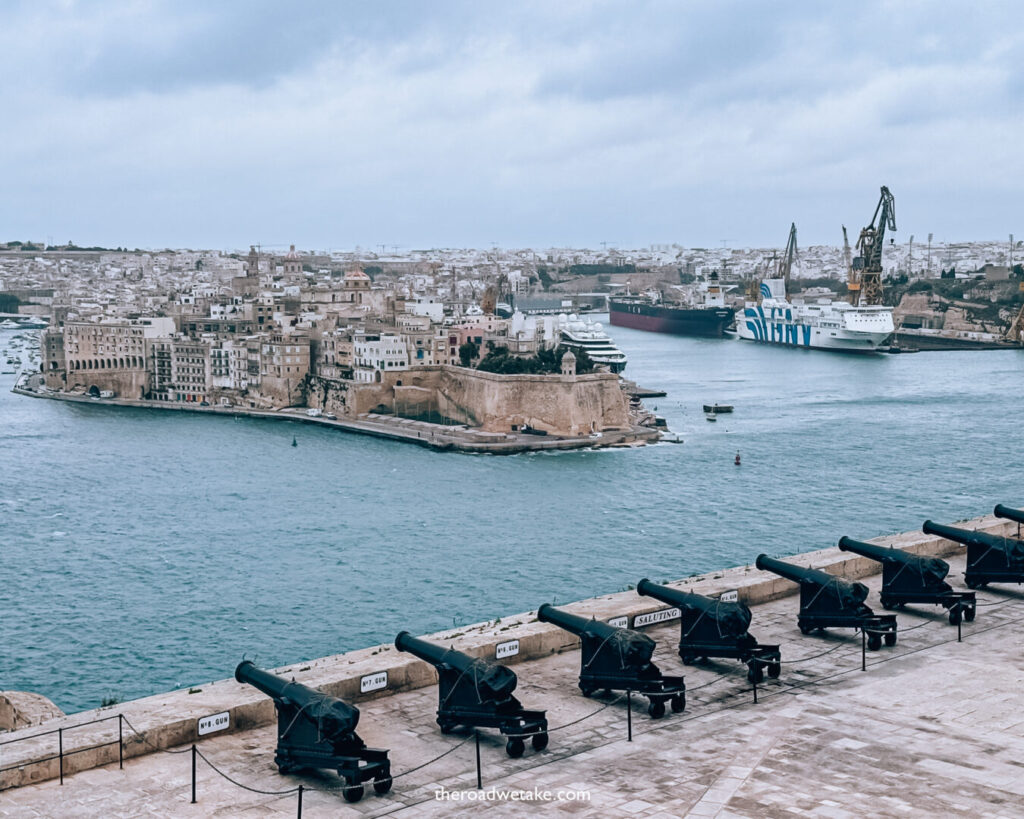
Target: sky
[{"x": 337, "y": 124}]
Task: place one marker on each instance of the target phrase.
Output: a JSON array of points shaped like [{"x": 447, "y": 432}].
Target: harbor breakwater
[{"x": 167, "y": 720}]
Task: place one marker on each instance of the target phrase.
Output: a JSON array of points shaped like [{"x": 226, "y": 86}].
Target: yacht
[{"x": 579, "y": 334}]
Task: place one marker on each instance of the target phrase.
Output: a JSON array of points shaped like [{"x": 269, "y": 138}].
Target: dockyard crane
[
  {"x": 852, "y": 282},
  {"x": 785, "y": 264},
  {"x": 869, "y": 245}
]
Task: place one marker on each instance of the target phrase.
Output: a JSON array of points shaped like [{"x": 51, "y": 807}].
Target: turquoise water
[{"x": 142, "y": 551}]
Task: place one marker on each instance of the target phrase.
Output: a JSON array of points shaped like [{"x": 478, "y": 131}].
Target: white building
[{"x": 377, "y": 353}]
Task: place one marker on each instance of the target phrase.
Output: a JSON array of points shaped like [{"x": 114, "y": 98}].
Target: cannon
[
  {"x": 990, "y": 558},
  {"x": 910, "y": 578},
  {"x": 1008, "y": 512},
  {"x": 713, "y": 628},
  {"x": 618, "y": 659},
  {"x": 827, "y": 601},
  {"x": 477, "y": 693},
  {"x": 316, "y": 730}
]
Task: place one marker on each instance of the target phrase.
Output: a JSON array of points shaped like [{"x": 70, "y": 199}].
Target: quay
[
  {"x": 458, "y": 438},
  {"x": 929, "y": 727}
]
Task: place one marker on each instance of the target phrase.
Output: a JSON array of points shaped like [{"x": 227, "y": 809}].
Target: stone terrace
[{"x": 932, "y": 728}]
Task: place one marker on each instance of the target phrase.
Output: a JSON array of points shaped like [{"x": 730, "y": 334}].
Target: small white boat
[{"x": 711, "y": 416}]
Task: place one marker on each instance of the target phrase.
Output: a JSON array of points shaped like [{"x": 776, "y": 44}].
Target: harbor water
[{"x": 142, "y": 551}]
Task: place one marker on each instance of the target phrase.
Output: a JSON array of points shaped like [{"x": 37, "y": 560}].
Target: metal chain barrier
[
  {"x": 142, "y": 736},
  {"x": 245, "y": 787}
]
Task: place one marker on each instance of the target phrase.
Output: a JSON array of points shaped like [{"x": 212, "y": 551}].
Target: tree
[{"x": 469, "y": 351}]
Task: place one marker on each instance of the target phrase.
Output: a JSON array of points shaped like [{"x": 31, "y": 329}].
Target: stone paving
[{"x": 933, "y": 728}]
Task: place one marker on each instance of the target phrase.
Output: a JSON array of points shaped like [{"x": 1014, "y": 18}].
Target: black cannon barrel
[
  {"x": 495, "y": 678},
  {"x": 814, "y": 577},
  {"x": 574, "y": 623},
  {"x": 632, "y": 648},
  {"x": 965, "y": 536},
  {"x": 927, "y": 570},
  {"x": 883, "y": 554},
  {"x": 733, "y": 618},
  {"x": 1009, "y": 513},
  {"x": 317, "y": 705}
]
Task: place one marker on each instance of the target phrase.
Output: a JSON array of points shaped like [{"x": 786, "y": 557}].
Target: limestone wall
[
  {"x": 23, "y": 709},
  {"x": 126, "y": 383},
  {"x": 561, "y": 405}
]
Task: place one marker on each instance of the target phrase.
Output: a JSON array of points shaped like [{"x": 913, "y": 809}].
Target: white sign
[
  {"x": 373, "y": 682},
  {"x": 656, "y": 617},
  {"x": 214, "y": 723},
  {"x": 619, "y": 622},
  {"x": 509, "y": 649},
  {"x": 730, "y": 596}
]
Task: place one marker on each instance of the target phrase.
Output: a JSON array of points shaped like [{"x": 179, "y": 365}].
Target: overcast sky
[{"x": 192, "y": 123}]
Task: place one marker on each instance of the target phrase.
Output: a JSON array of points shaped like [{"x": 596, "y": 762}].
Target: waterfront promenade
[
  {"x": 457, "y": 438},
  {"x": 930, "y": 728}
]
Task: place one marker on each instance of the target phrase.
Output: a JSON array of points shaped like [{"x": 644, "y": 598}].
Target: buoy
[
  {"x": 737, "y": 461},
  {"x": 296, "y": 443}
]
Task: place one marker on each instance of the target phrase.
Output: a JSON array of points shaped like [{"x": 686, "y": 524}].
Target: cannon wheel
[
  {"x": 969, "y": 613},
  {"x": 540, "y": 741},
  {"x": 656, "y": 710},
  {"x": 383, "y": 785},
  {"x": 353, "y": 791},
  {"x": 678, "y": 702},
  {"x": 890, "y": 638},
  {"x": 774, "y": 669},
  {"x": 515, "y": 747},
  {"x": 874, "y": 642}
]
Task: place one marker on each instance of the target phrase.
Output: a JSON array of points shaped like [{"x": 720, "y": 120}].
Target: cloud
[{"x": 335, "y": 124}]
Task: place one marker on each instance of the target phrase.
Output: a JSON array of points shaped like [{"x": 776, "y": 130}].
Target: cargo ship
[{"x": 703, "y": 313}]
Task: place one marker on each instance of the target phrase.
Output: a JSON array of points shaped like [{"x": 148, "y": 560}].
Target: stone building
[
  {"x": 102, "y": 355},
  {"x": 377, "y": 353},
  {"x": 180, "y": 369}
]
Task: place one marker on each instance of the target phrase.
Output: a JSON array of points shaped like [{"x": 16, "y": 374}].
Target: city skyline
[{"x": 454, "y": 126}]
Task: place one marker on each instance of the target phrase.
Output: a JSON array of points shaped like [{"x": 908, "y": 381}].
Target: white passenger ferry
[{"x": 821, "y": 325}]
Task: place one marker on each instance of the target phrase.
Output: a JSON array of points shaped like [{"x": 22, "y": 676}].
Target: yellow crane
[{"x": 869, "y": 245}]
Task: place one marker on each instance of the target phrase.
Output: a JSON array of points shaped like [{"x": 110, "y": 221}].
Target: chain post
[{"x": 479, "y": 779}]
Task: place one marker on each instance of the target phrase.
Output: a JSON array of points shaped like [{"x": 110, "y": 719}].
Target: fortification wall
[
  {"x": 560, "y": 405},
  {"x": 127, "y": 383}
]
